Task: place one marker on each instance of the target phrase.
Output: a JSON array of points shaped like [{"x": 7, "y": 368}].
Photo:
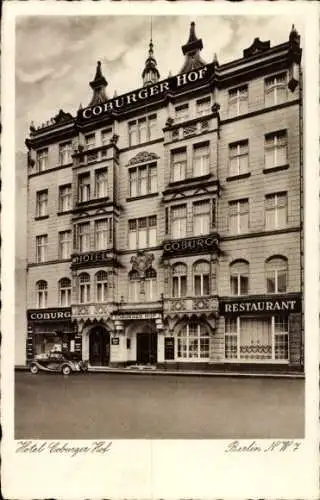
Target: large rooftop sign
[{"x": 145, "y": 93}]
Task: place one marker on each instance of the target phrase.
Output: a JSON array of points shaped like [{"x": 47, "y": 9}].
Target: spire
[
  {"x": 191, "y": 51},
  {"x": 294, "y": 36},
  {"x": 98, "y": 86},
  {"x": 150, "y": 73}
]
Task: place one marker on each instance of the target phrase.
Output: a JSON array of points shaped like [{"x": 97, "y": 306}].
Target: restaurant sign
[
  {"x": 274, "y": 305},
  {"x": 53, "y": 314},
  {"x": 145, "y": 94}
]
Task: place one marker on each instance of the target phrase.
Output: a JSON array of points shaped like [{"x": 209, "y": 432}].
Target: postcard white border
[{"x": 164, "y": 469}]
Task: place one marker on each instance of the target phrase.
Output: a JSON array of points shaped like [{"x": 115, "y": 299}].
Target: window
[
  {"x": 42, "y": 159},
  {"x": 200, "y": 160},
  {"x": 41, "y": 247},
  {"x": 84, "y": 288},
  {"x": 179, "y": 221},
  {"x": 277, "y": 274},
  {"x": 203, "y": 106},
  {"x": 178, "y": 165},
  {"x": 106, "y": 136},
  {"x": 102, "y": 234},
  {"x": 143, "y": 180},
  {"x": 42, "y": 294},
  {"x": 275, "y": 89},
  {"x": 193, "y": 342},
  {"x": 42, "y": 203},
  {"x": 134, "y": 286},
  {"x": 101, "y": 183},
  {"x": 142, "y": 130},
  {"x": 238, "y": 158},
  {"x": 182, "y": 112},
  {"x": 239, "y": 216},
  {"x": 101, "y": 286},
  {"x": 65, "y": 244},
  {"x": 65, "y": 197},
  {"x": 151, "y": 285},
  {"x": 65, "y": 292},
  {"x": 281, "y": 337},
  {"x": 201, "y": 217},
  {"x": 143, "y": 232},
  {"x": 239, "y": 278},
  {"x": 276, "y": 153},
  {"x": 253, "y": 339},
  {"x": 84, "y": 187},
  {"x": 179, "y": 280},
  {"x": 84, "y": 237},
  {"x": 201, "y": 278},
  {"x": 65, "y": 152},
  {"x": 276, "y": 210},
  {"x": 90, "y": 141},
  {"x": 238, "y": 101}
]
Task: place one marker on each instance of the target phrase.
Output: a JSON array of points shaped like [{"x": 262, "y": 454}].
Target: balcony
[
  {"x": 190, "y": 305},
  {"x": 183, "y": 129}
]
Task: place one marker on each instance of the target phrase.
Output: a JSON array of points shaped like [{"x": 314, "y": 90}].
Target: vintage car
[{"x": 62, "y": 362}]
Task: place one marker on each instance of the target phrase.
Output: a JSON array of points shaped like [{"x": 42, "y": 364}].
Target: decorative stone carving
[
  {"x": 114, "y": 139},
  {"x": 62, "y": 117},
  {"x": 256, "y": 47},
  {"x": 143, "y": 157},
  {"x": 142, "y": 262}
]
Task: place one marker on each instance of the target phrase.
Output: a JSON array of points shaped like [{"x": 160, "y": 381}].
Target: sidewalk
[{"x": 151, "y": 370}]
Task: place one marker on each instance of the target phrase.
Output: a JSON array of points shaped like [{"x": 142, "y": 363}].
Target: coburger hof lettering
[
  {"x": 49, "y": 315},
  {"x": 189, "y": 244},
  {"x": 268, "y": 306},
  {"x": 140, "y": 95}
]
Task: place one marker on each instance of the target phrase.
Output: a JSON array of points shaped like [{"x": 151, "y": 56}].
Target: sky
[{"x": 56, "y": 55}]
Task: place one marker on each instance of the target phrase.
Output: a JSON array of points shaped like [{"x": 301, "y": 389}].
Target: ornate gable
[
  {"x": 256, "y": 47},
  {"x": 143, "y": 157}
]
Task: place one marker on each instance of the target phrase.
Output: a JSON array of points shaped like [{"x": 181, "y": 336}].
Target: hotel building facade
[{"x": 165, "y": 225}]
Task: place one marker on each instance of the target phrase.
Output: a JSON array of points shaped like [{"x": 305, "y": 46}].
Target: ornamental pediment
[{"x": 143, "y": 157}]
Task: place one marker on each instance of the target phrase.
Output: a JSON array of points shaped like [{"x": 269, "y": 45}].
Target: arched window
[
  {"x": 101, "y": 286},
  {"x": 179, "y": 280},
  {"x": 239, "y": 277},
  {"x": 65, "y": 292},
  {"x": 193, "y": 342},
  {"x": 84, "y": 288},
  {"x": 277, "y": 274},
  {"x": 134, "y": 284},
  {"x": 42, "y": 293},
  {"x": 201, "y": 278},
  {"x": 151, "y": 284}
]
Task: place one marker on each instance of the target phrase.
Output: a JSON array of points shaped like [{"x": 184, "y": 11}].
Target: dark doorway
[
  {"x": 99, "y": 347},
  {"x": 146, "y": 348}
]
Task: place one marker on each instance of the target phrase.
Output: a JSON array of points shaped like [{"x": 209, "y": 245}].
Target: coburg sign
[
  {"x": 190, "y": 245},
  {"x": 49, "y": 314}
]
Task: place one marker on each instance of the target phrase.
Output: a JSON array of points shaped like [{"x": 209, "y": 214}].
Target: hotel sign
[
  {"x": 126, "y": 316},
  {"x": 264, "y": 306},
  {"x": 62, "y": 313},
  {"x": 146, "y": 93},
  {"x": 190, "y": 245},
  {"x": 92, "y": 257}
]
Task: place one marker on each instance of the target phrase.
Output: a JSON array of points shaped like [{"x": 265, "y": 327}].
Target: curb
[{"x": 187, "y": 373}]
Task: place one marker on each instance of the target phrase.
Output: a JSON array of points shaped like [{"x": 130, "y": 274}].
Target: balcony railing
[{"x": 208, "y": 304}]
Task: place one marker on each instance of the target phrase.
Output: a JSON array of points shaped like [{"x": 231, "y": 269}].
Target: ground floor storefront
[{"x": 248, "y": 334}]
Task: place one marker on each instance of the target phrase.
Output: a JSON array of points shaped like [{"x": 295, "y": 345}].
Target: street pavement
[{"x": 132, "y": 406}]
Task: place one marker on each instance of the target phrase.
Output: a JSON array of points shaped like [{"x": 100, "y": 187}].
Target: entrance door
[
  {"x": 99, "y": 347},
  {"x": 146, "y": 348}
]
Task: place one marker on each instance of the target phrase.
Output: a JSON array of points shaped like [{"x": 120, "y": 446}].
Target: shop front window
[
  {"x": 257, "y": 339},
  {"x": 193, "y": 342}
]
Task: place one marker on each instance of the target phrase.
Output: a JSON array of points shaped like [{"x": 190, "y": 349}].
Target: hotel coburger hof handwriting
[{"x": 165, "y": 224}]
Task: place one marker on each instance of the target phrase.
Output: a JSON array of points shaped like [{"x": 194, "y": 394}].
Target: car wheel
[
  {"x": 66, "y": 370},
  {"x": 34, "y": 369}
]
